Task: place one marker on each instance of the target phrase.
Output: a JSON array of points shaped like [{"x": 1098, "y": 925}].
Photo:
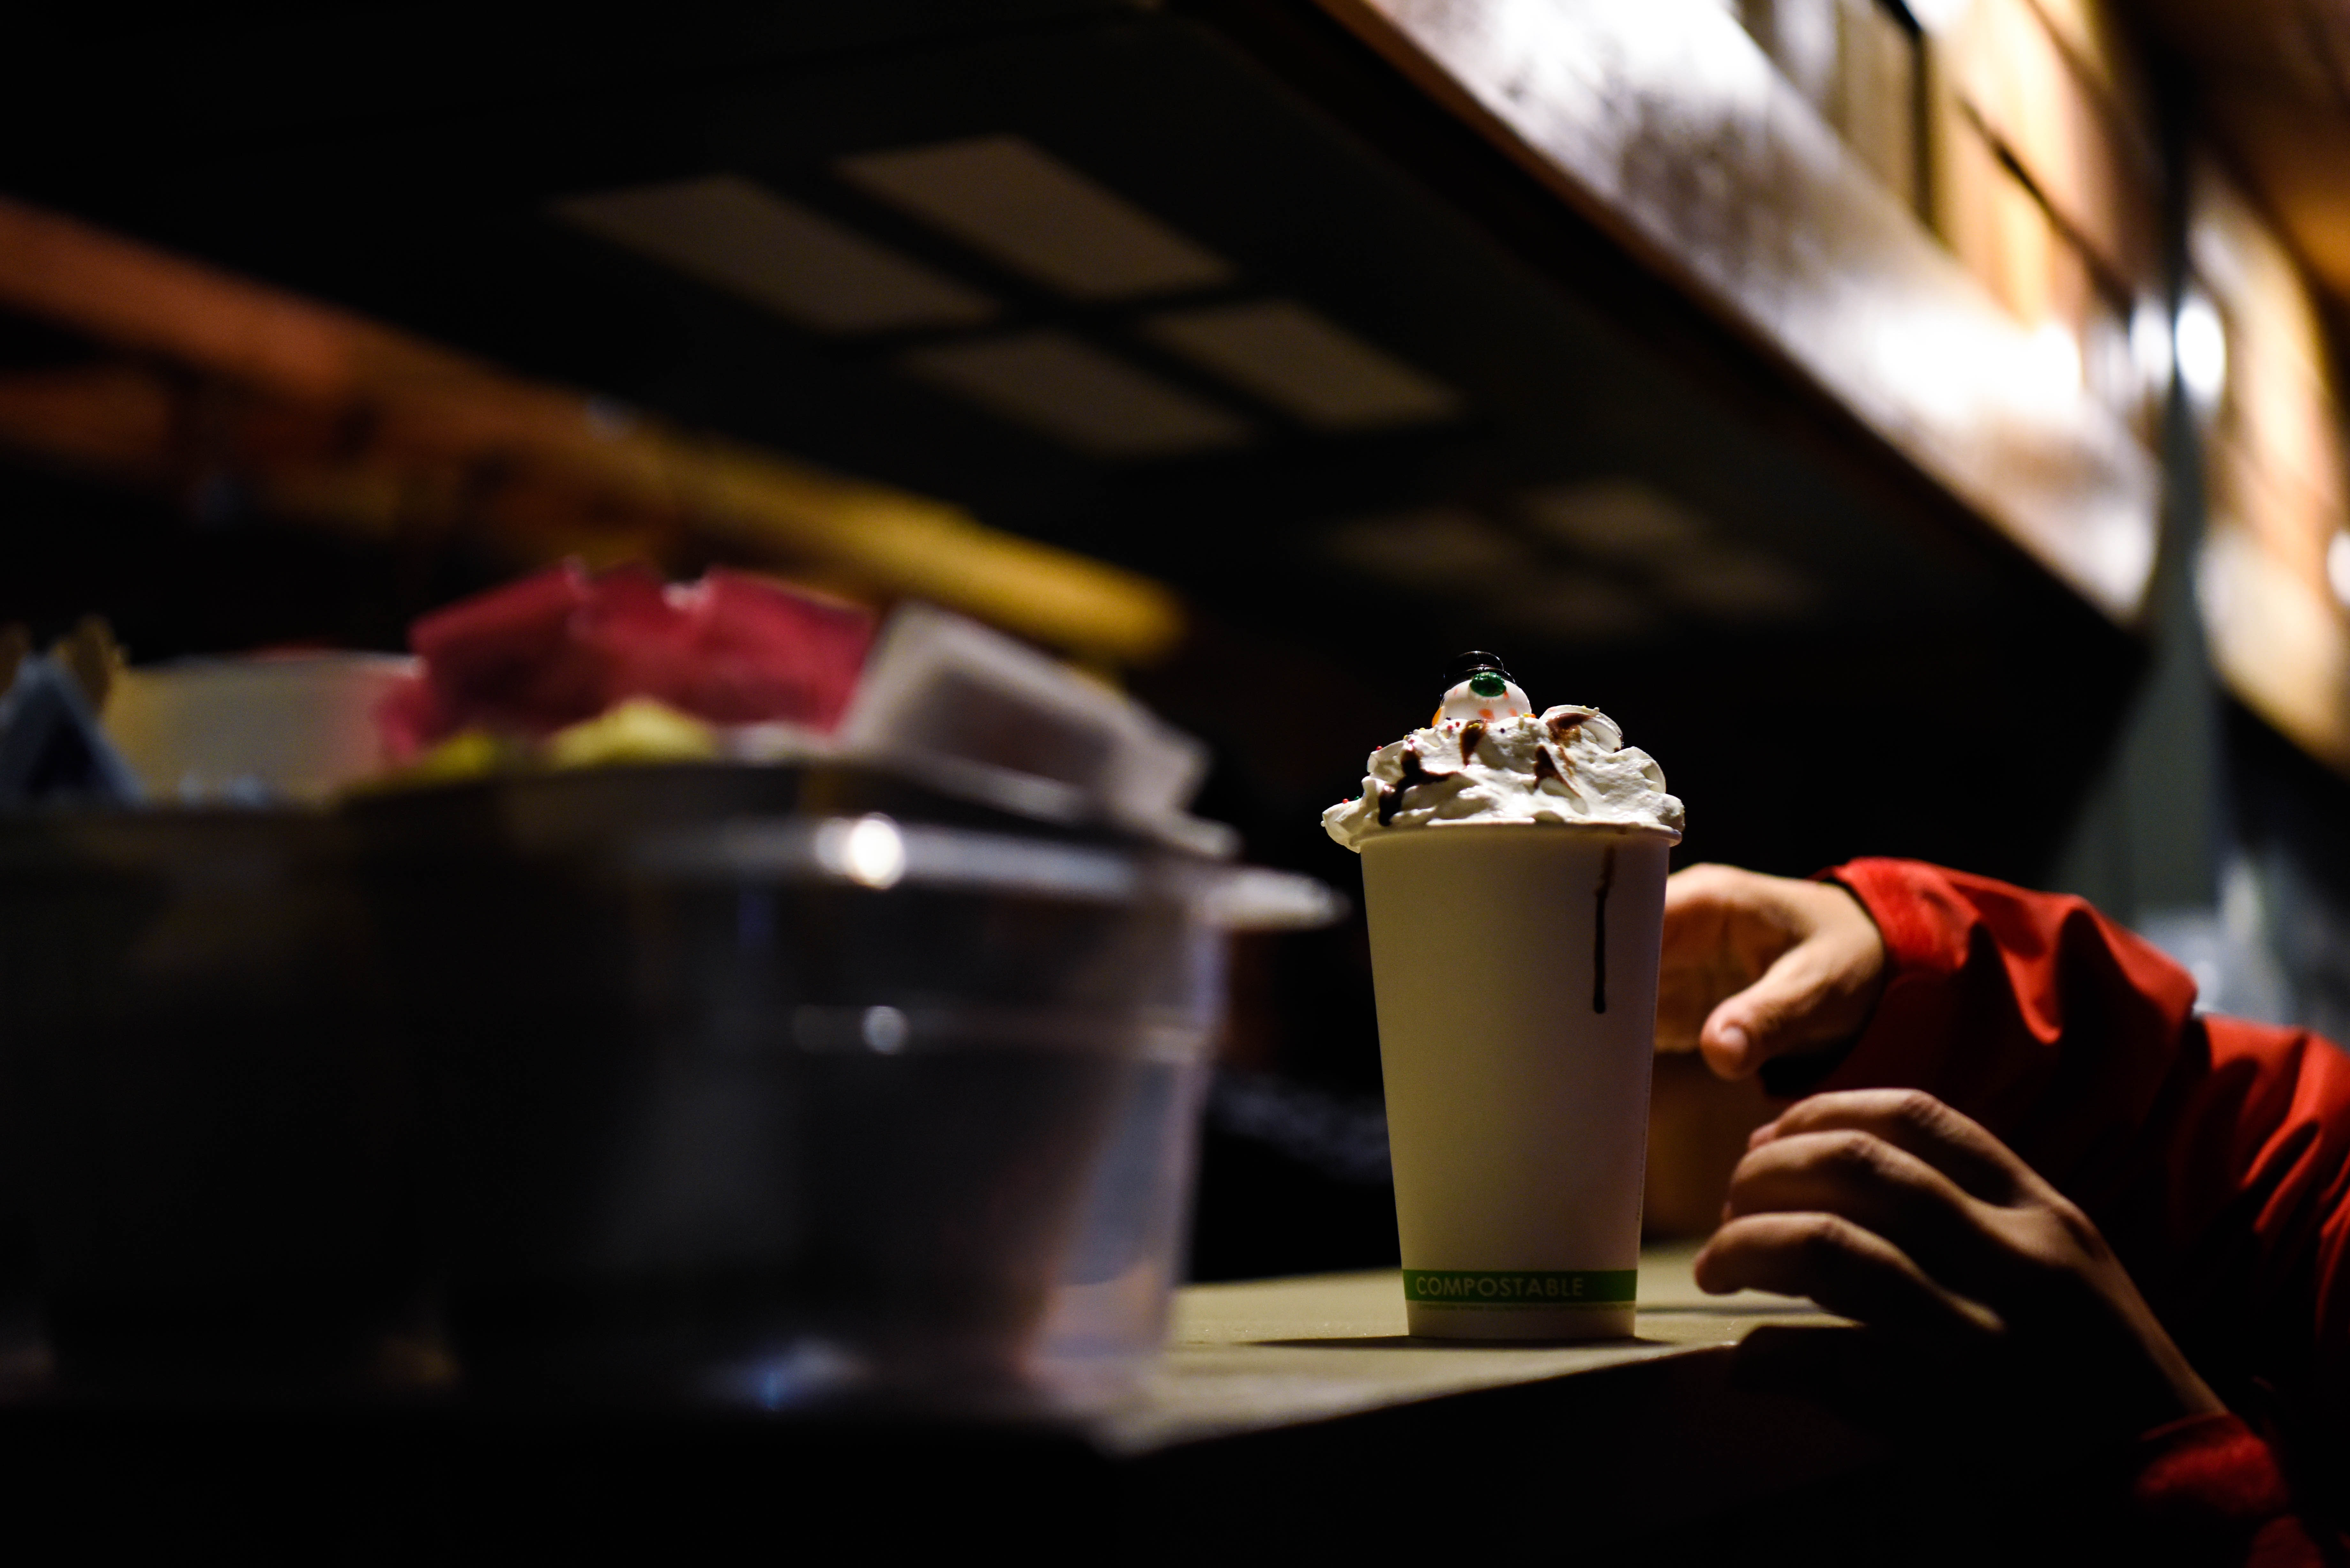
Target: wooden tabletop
[
  {"x": 1269, "y": 1353},
  {"x": 1289, "y": 1418}
]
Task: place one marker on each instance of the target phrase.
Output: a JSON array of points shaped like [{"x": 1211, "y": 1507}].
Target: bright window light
[
  {"x": 2053, "y": 355},
  {"x": 2200, "y": 343}
]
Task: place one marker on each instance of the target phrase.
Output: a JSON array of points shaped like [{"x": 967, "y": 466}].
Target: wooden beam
[
  {"x": 331, "y": 416},
  {"x": 1664, "y": 122}
]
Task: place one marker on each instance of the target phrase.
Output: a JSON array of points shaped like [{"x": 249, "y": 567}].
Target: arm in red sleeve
[
  {"x": 2213, "y": 1154},
  {"x": 2207, "y": 1490}
]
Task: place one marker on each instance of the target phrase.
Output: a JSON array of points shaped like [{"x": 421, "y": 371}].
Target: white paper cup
[
  {"x": 1515, "y": 967},
  {"x": 254, "y": 729}
]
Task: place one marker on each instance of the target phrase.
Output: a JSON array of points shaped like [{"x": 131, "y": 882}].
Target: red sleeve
[
  {"x": 2213, "y": 1154},
  {"x": 2207, "y": 1490}
]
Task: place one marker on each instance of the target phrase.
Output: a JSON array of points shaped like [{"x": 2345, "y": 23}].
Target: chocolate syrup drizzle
[
  {"x": 1566, "y": 724},
  {"x": 1392, "y": 795},
  {"x": 1600, "y": 932},
  {"x": 1471, "y": 733},
  {"x": 1545, "y": 768}
]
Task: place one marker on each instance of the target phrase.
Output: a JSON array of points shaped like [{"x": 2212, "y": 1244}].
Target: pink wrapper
[{"x": 552, "y": 650}]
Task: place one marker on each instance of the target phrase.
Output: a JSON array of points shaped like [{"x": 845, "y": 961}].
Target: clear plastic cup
[{"x": 798, "y": 1102}]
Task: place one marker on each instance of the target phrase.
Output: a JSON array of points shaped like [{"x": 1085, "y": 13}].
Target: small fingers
[
  {"x": 1815, "y": 992},
  {"x": 1710, "y": 948},
  {"x": 1845, "y": 1267},
  {"x": 1778, "y": 1015},
  {"x": 1912, "y": 1120},
  {"x": 1887, "y": 1190}
]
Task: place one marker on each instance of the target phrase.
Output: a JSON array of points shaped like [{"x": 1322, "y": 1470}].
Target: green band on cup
[{"x": 1522, "y": 1287}]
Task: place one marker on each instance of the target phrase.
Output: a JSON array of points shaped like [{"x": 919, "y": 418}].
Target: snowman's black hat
[{"x": 1473, "y": 662}]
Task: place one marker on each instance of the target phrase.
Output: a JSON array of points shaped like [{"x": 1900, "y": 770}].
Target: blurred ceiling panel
[
  {"x": 1305, "y": 363},
  {"x": 1078, "y": 394},
  {"x": 728, "y": 232},
  {"x": 1038, "y": 215}
]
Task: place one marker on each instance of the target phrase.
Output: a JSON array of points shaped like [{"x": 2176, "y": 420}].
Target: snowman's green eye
[{"x": 1488, "y": 684}]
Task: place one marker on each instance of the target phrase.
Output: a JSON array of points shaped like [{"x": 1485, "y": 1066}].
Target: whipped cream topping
[{"x": 1496, "y": 761}]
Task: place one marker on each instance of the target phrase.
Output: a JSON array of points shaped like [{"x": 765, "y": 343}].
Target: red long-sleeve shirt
[{"x": 2212, "y": 1153}]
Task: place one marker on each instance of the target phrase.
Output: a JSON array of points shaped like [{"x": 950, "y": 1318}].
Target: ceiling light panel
[
  {"x": 1738, "y": 585},
  {"x": 1616, "y": 519},
  {"x": 735, "y": 235},
  {"x": 1069, "y": 389},
  {"x": 1446, "y": 548},
  {"x": 1573, "y": 606},
  {"x": 1304, "y": 364},
  {"x": 1012, "y": 201}
]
